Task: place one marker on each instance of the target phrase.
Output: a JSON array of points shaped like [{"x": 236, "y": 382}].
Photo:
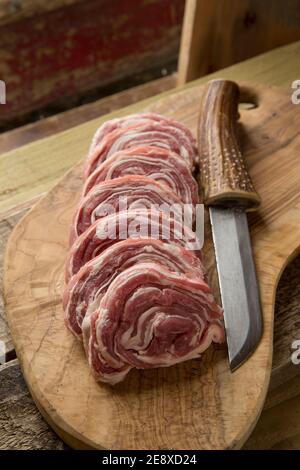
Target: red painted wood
[{"x": 83, "y": 46}]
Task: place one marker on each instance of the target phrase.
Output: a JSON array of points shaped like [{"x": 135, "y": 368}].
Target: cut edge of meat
[
  {"x": 184, "y": 321},
  {"x": 161, "y": 161}
]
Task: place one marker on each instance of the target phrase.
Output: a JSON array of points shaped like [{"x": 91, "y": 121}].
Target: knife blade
[
  {"x": 238, "y": 283},
  {"x": 229, "y": 193}
]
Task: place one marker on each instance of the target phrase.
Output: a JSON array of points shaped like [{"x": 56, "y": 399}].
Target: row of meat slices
[{"x": 135, "y": 290}]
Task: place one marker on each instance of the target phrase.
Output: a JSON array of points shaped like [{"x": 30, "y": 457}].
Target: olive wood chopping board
[{"x": 198, "y": 404}]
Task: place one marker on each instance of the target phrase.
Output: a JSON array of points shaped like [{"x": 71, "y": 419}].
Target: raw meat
[
  {"x": 86, "y": 288},
  {"x": 127, "y": 224},
  {"x": 150, "y": 317},
  {"x": 154, "y": 134},
  {"x": 134, "y": 120},
  {"x": 135, "y": 290},
  {"x": 163, "y": 166},
  {"x": 127, "y": 192}
]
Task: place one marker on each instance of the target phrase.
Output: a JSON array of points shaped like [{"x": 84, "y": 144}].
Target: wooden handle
[{"x": 223, "y": 175}]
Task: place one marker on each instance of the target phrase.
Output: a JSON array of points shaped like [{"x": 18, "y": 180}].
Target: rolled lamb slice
[
  {"x": 127, "y": 192},
  {"x": 134, "y": 224},
  {"x": 154, "y": 134},
  {"x": 134, "y": 120},
  {"x": 162, "y": 165},
  {"x": 85, "y": 289},
  {"x": 151, "y": 317}
]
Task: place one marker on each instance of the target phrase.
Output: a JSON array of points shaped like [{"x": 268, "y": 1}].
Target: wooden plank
[
  {"x": 16, "y": 10},
  {"x": 24, "y": 173},
  {"x": 219, "y": 33},
  {"x": 45, "y": 127},
  {"x": 285, "y": 391},
  {"x": 278, "y": 427},
  {"x": 100, "y": 44},
  {"x": 189, "y": 66},
  {"x": 287, "y": 325},
  {"x": 21, "y": 425}
]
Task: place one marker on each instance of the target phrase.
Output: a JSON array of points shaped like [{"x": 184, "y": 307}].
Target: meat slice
[
  {"x": 127, "y": 192},
  {"x": 159, "y": 164},
  {"x": 133, "y": 224},
  {"x": 154, "y": 134},
  {"x": 134, "y": 120},
  {"x": 86, "y": 288},
  {"x": 150, "y": 317}
]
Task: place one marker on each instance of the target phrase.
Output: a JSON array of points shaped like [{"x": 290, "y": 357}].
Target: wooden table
[{"x": 23, "y": 180}]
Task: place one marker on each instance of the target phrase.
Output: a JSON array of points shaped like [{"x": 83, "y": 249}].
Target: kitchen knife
[{"x": 228, "y": 192}]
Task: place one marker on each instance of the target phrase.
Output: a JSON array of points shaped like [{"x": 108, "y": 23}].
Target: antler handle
[{"x": 223, "y": 175}]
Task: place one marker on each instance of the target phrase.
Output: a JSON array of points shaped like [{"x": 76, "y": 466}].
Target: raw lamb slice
[
  {"x": 153, "y": 134},
  {"x": 134, "y": 120},
  {"x": 150, "y": 317},
  {"x": 132, "y": 224},
  {"x": 127, "y": 192},
  {"x": 163, "y": 166},
  {"x": 86, "y": 288}
]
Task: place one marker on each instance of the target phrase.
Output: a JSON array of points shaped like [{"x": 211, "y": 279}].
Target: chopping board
[{"x": 199, "y": 404}]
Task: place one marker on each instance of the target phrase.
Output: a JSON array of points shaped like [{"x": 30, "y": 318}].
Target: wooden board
[
  {"x": 102, "y": 44},
  {"x": 198, "y": 404},
  {"x": 239, "y": 26}
]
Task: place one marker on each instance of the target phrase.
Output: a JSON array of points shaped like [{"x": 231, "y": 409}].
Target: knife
[{"x": 228, "y": 192}]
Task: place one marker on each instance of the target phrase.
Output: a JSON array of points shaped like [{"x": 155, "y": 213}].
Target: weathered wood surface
[
  {"x": 33, "y": 287},
  {"x": 285, "y": 391},
  {"x": 100, "y": 43},
  {"x": 219, "y": 33},
  {"x": 46, "y": 127},
  {"x": 24, "y": 176},
  {"x": 287, "y": 325},
  {"x": 278, "y": 427},
  {"x": 21, "y": 425},
  {"x": 11, "y": 10}
]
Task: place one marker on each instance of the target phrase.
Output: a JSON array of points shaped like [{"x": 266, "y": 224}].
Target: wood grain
[
  {"x": 101, "y": 43},
  {"x": 14, "y": 11},
  {"x": 154, "y": 409},
  {"x": 21, "y": 426},
  {"x": 285, "y": 391},
  {"x": 26, "y": 173},
  {"x": 7, "y": 223},
  {"x": 60, "y": 122},
  {"x": 287, "y": 326},
  {"x": 17, "y": 407},
  {"x": 278, "y": 428},
  {"x": 219, "y": 33}
]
